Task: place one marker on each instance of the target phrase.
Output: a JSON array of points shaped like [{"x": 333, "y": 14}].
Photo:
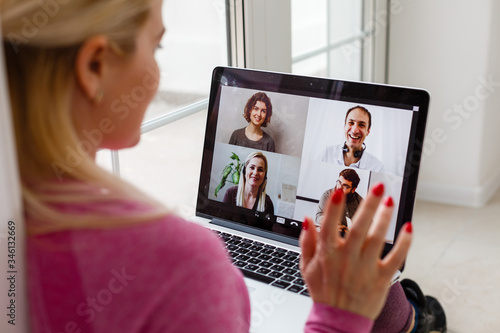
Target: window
[
  {"x": 334, "y": 38},
  {"x": 166, "y": 162},
  {"x": 341, "y": 39}
]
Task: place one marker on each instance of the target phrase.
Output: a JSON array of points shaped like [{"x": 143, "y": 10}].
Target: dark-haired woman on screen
[{"x": 257, "y": 113}]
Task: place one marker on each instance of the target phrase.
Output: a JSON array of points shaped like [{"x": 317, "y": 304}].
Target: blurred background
[{"x": 450, "y": 48}]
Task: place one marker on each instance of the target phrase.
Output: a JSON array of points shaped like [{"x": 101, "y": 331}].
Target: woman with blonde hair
[
  {"x": 251, "y": 190},
  {"x": 101, "y": 255}
]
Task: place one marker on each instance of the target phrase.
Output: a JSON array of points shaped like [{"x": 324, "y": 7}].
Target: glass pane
[
  {"x": 309, "y": 25},
  {"x": 345, "y": 61},
  {"x": 194, "y": 44},
  {"x": 345, "y": 19},
  {"x": 103, "y": 159},
  {"x": 315, "y": 66},
  {"x": 166, "y": 163}
]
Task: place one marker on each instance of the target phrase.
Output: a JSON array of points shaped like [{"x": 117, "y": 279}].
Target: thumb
[{"x": 308, "y": 241}]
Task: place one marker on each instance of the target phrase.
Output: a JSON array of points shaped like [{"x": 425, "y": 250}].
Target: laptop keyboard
[{"x": 266, "y": 263}]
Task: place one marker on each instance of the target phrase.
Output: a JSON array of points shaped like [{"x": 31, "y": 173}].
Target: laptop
[{"x": 313, "y": 121}]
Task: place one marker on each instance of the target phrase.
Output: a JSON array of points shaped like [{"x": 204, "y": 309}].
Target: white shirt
[{"x": 335, "y": 154}]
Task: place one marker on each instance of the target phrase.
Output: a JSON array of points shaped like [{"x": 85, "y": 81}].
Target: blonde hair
[
  {"x": 41, "y": 40},
  {"x": 261, "y": 196}
]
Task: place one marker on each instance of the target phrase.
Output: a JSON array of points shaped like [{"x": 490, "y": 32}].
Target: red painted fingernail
[
  {"x": 378, "y": 190},
  {"x": 337, "y": 196},
  {"x": 389, "y": 202},
  {"x": 305, "y": 224},
  {"x": 409, "y": 227}
]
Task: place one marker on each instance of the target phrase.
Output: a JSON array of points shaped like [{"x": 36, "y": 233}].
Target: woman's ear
[{"x": 90, "y": 67}]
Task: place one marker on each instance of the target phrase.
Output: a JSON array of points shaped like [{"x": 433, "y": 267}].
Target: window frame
[{"x": 259, "y": 36}]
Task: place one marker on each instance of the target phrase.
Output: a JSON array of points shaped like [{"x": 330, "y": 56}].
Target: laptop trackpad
[{"x": 276, "y": 310}]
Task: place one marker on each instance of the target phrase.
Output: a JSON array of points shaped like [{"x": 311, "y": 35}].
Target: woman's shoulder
[
  {"x": 165, "y": 232},
  {"x": 164, "y": 263},
  {"x": 238, "y": 133},
  {"x": 232, "y": 189}
]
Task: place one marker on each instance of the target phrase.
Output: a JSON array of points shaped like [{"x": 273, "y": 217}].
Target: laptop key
[
  {"x": 240, "y": 263},
  {"x": 254, "y": 261},
  {"x": 295, "y": 288},
  {"x": 263, "y": 270},
  {"x": 252, "y": 267},
  {"x": 275, "y": 260},
  {"x": 289, "y": 271},
  {"x": 275, "y": 274},
  {"x": 299, "y": 282},
  {"x": 243, "y": 257},
  {"x": 277, "y": 268},
  {"x": 241, "y": 250},
  {"x": 278, "y": 254},
  {"x": 257, "y": 276},
  {"x": 305, "y": 293},
  {"x": 280, "y": 284},
  {"x": 287, "y": 278},
  {"x": 233, "y": 242},
  {"x": 253, "y": 254},
  {"x": 265, "y": 264},
  {"x": 245, "y": 245},
  {"x": 264, "y": 257}
]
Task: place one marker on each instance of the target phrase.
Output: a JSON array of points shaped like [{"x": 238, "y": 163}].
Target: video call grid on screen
[{"x": 302, "y": 128}]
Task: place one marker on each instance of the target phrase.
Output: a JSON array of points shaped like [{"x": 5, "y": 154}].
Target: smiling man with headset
[{"x": 352, "y": 153}]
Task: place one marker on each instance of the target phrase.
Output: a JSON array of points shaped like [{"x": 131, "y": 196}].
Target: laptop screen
[{"x": 276, "y": 145}]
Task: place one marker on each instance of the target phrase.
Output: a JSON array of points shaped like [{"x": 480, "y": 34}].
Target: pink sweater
[{"x": 168, "y": 275}]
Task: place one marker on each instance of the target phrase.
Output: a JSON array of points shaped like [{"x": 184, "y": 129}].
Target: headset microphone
[{"x": 357, "y": 154}]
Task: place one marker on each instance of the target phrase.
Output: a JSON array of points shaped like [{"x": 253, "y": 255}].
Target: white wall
[{"x": 451, "y": 48}]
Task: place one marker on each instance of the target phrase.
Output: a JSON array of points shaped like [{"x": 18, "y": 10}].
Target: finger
[
  {"x": 334, "y": 209},
  {"x": 308, "y": 241},
  {"x": 375, "y": 240},
  {"x": 363, "y": 217},
  {"x": 395, "y": 258}
]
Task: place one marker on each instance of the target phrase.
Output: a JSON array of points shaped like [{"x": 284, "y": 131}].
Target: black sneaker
[{"x": 431, "y": 316}]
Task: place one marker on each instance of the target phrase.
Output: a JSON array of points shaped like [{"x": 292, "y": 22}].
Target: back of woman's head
[{"x": 41, "y": 41}]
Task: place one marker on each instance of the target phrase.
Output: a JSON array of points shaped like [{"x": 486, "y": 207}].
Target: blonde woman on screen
[{"x": 250, "y": 192}]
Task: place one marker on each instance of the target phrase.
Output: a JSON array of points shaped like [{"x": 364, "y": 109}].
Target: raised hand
[{"x": 348, "y": 273}]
